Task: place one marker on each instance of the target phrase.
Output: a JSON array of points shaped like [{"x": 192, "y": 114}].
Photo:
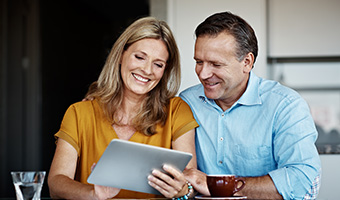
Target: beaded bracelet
[{"x": 185, "y": 197}]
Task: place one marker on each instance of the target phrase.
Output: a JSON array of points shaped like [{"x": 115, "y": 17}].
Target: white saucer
[{"x": 219, "y": 198}]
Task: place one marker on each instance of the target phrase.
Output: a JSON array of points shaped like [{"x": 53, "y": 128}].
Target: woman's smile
[{"x": 140, "y": 78}]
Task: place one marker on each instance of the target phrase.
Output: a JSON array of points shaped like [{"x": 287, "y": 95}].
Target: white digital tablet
[{"x": 127, "y": 165}]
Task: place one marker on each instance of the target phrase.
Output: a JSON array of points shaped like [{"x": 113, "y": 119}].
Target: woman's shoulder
[
  {"x": 176, "y": 100},
  {"x": 85, "y": 112},
  {"x": 86, "y": 106},
  {"x": 178, "y": 103}
]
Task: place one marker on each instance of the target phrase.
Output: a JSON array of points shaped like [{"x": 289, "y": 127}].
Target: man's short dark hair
[{"x": 236, "y": 26}]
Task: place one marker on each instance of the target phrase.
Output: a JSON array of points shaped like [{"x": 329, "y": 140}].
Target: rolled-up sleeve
[{"x": 295, "y": 152}]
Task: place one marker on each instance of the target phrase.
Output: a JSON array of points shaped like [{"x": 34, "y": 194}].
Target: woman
[{"x": 133, "y": 99}]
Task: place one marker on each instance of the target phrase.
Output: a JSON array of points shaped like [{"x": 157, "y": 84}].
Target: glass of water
[{"x": 28, "y": 184}]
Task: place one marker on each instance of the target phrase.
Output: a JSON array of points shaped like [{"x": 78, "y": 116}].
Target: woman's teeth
[{"x": 140, "y": 78}]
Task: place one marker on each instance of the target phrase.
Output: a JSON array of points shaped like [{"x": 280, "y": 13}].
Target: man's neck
[{"x": 226, "y": 103}]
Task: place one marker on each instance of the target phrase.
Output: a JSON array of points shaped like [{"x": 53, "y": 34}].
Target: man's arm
[
  {"x": 256, "y": 187},
  {"x": 259, "y": 188}
]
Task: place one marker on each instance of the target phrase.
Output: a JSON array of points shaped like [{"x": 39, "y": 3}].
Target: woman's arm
[
  {"x": 186, "y": 143},
  {"x": 61, "y": 177}
]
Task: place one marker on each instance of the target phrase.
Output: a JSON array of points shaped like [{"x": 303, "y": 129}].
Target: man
[{"x": 249, "y": 126}]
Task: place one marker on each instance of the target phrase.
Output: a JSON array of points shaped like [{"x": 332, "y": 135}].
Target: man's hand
[
  {"x": 198, "y": 180},
  {"x": 87, "y": 98}
]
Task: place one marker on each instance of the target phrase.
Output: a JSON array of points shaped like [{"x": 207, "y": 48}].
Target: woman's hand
[
  {"x": 170, "y": 185},
  {"x": 198, "y": 180},
  {"x": 104, "y": 192}
]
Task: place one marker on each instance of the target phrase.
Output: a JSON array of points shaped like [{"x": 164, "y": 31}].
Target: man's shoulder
[
  {"x": 192, "y": 95},
  {"x": 192, "y": 91},
  {"x": 277, "y": 89}
]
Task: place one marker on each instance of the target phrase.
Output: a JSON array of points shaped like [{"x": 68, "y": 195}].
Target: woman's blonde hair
[{"x": 108, "y": 89}]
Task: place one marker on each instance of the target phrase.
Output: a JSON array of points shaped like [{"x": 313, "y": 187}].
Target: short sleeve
[
  {"x": 182, "y": 117},
  {"x": 69, "y": 129}
]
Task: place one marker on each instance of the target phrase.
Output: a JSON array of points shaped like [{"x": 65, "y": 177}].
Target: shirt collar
[{"x": 250, "y": 97}]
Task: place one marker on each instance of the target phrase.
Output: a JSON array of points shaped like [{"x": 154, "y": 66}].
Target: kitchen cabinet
[{"x": 304, "y": 28}]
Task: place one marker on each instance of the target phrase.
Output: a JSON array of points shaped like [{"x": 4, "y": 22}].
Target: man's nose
[{"x": 204, "y": 71}]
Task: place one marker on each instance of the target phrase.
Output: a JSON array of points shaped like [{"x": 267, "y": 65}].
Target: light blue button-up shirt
[{"x": 269, "y": 130}]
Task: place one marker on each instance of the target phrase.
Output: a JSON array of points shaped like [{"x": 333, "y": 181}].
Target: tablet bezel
[{"x": 126, "y": 165}]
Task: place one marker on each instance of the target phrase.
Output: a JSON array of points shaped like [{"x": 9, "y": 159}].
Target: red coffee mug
[{"x": 224, "y": 185}]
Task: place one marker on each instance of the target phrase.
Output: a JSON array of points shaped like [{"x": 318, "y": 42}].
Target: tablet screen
[{"x": 127, "y": 165}]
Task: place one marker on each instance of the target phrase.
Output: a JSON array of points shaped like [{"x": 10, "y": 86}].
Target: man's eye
[
  {"x": 199, "y": 62},
  {"x": 139, "y": 57}
]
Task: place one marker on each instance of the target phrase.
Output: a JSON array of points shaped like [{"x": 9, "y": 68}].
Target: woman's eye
[{"x": 159, "y": 65}]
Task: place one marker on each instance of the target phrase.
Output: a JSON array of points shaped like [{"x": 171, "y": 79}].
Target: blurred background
[{"x": 51, "y": 51}]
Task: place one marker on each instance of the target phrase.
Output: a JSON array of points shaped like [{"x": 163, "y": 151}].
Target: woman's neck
[{"x": 129, "y": 108}]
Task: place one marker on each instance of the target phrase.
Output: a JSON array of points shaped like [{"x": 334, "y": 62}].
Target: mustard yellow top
[{"x": 87, "y": 129}]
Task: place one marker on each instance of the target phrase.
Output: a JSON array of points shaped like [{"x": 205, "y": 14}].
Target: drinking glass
[{"x": 28, "y": 184}]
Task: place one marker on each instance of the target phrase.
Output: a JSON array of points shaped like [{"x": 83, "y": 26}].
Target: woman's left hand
[{"x": 170, "y": 185}]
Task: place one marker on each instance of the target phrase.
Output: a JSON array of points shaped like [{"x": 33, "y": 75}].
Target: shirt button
[
  {"x": 222, "y": 114},
  {"x": 221, "y": 138},
  {"x": 220, "y": 162}
]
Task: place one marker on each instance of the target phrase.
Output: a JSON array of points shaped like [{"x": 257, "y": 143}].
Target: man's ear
[{"x": 248, "y": 62}]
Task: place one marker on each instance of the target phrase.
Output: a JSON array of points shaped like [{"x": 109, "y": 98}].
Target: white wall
[
  {"x": 303, "y": 28},
  {"x": 330, "y": 185}
]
